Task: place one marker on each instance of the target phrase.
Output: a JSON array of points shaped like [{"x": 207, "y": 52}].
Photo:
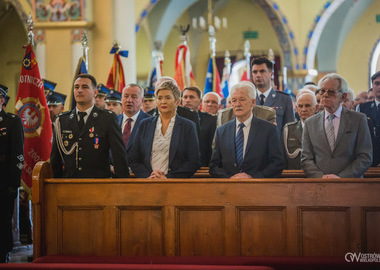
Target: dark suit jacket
[
  {"x": 352, "y": 155},
  {"x": 373, "y": 115},
  {"x": 283, "y": 105},
  {"x": 132, "y": 138},
  {"x": 184, "y": 159},
  {"x": 208, "y": 126},
  {"x": 93, "y": 161},
  {"x": 263, "y": 157}
]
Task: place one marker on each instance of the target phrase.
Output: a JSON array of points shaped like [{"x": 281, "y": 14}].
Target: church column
[{"x": 124, "y": 34}]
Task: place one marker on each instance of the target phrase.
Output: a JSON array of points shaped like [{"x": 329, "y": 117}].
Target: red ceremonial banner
[{"x": 32, "y": 108}]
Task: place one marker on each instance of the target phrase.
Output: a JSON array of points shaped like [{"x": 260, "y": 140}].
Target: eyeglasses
[{"x": 329, "y": 92}]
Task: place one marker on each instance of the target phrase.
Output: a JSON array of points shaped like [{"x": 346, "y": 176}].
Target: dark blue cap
[
  {"x": 7, "y": 98},
  {"x": 113, "y": 96},
  {"x": 49, "y": 85},
  {"x": 55, "y": 98},
  {"x": 102, "y": 89},
  {"x": 149, "y": 96},
  {"x": 3, "y": 90}
]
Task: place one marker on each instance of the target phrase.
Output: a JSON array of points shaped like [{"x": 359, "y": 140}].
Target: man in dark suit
[
  {"x": 372, "y": 110},
  {"x": 192, "y": 98},
  {"x": 85, "y": 136},
  {"x": 11, "y": 163},
  {"x": 306, "y": 106},
  {"x": 261, "y": 76},
  {"x": 129, "y": 120},
  {"x": 246, "y": 147},
  {"x": 336, "y": 143}
]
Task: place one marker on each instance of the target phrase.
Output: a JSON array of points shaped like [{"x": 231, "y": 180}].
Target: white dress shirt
[
  {"x": 88, "y": 111},
  {"x": 336, "y": 120},
  {"x": 125, "y": 118}
]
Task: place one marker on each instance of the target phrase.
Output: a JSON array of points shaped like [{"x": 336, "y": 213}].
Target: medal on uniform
[
  {"x": 70, "y": 136},
  {"x": 96, "y": 145},
  {"x": 91, "y": 132},
  {"x": 66, "y": 143}
]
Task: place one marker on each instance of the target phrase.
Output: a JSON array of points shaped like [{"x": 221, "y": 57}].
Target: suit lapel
[
  {"x": 150, "y": 134},
  {"x": 74, "y": 123},
  {"x": 342, "y": 125},
  {"x": 322, "y": 124},
  {"x": 252, "y": 135},
  {"x": 135, "y": 127},
  {"x": 375, "y": 112},
  {"x": 176, "y": 134}
]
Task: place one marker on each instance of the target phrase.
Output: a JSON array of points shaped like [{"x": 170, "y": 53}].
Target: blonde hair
[{"x": 169, "y": 85}]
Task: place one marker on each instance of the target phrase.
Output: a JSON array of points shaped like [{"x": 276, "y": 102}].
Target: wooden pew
[{"x": 204, "y": 217}]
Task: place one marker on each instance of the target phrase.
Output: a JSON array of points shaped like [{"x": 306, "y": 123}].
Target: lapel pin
[
  {"x": 95, "y": 114},
  {"x": 71, "y": 116}
]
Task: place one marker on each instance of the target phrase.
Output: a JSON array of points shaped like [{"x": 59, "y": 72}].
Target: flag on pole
[
  {"x": 155, "y": 75},
  {"x": 32, "y": 108},
  {"x": 116, "y": 79},
  {"x": 183, "y": 71},
  {"x": 226, "y": 75},
  {"x": 212, "y": 78},
  {"x": 81, "y": 69}
]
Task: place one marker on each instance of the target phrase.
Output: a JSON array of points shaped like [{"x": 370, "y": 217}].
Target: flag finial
[
  {"x": 85, "y": 48},
  {"x": 30, "y": 25}
]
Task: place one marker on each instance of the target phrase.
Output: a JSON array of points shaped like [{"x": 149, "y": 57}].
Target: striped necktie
[
  {"x": 239, "y": 143},
  {"x": 330, "y": 132},
  {"x": 127, "y": 131}
]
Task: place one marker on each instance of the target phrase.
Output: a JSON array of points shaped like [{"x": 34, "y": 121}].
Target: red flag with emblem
[{"x": 32, "y": 108}]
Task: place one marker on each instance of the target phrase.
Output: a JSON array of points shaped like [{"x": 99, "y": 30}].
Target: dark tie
[
  {"x": 127, "y": 131},
  {"x": 239, "y": 143},
  {"x": 81, "y": 119},
  {"x": 262, "y": 99},
  {"x": 378, "y": 107}
]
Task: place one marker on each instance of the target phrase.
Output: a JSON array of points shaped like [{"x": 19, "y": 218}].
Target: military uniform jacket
[
  {"x": 293, "y": 145},
  {"x": 283, "y": 105},
  {"x": 11, "y": 151},
  {"x": 373, "y": 115},
  {"x": 208, "y": 126},
  {"x": 86, "y": 153}
]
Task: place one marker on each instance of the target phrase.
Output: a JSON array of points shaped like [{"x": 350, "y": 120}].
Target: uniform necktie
[
  {"x": 81, "y": 119},
  {"x": 127, "y": 131},
  {"x": 239, "y": 143},
  {"x": 262, "y": 99},
  {"x": 330, "y": 132}
]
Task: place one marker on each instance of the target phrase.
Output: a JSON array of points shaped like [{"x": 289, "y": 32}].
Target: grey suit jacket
[
  {"x": 292, "y": 137},
  {"x": 352, "y": 155}
]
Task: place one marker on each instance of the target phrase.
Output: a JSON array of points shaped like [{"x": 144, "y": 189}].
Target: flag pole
[
  {"x": 247, "y": 55},
  {"x": 30, "y": 25},
  {"x": 85, "y": 48}
]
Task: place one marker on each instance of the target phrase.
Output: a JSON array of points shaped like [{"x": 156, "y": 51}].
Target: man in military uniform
[
  {"x": 11, "y": 163},
  {"x": 56, "y": 104},
  {"x": 149, "y": 103},
  {"x": 84, "y": 137},
  {"x": 372, "y": 110},
  {"x": 282, "y": 103},
  {"x": 101, "y": 96},
  {"x": 306, "y": 106},
  {"x": 113, "y": 102}
]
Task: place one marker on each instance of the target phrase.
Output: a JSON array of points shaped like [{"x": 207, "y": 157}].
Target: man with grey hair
[
  {"x": 211, "y": 103},
  {"x": 306, "y": 106},
  {"x": 246, "y": 147},
  {"x": 129, "y": 121},
  {"x": 336, "y": 143}
]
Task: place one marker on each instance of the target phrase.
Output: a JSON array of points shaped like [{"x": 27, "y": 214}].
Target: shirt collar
[
  {"x": 337, "y": 113},
  {"x": 134, "y": 117},
  {"x": 88, "y": 111},
  {"x": 247, "y": 123},
  {"x": 377, "y": 102},
  {"x": 266, "y": 93}
]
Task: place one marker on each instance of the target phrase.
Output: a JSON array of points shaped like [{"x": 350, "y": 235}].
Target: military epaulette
[
  {"x": 64, "y": 113},
  {"x": 291, "y": 124},
  {"x": 266, "y": 108},
  {"x": 281, "y": 92}
]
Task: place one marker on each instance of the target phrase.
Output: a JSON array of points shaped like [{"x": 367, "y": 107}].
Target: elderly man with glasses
[{"x": 336, "y": 142}]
